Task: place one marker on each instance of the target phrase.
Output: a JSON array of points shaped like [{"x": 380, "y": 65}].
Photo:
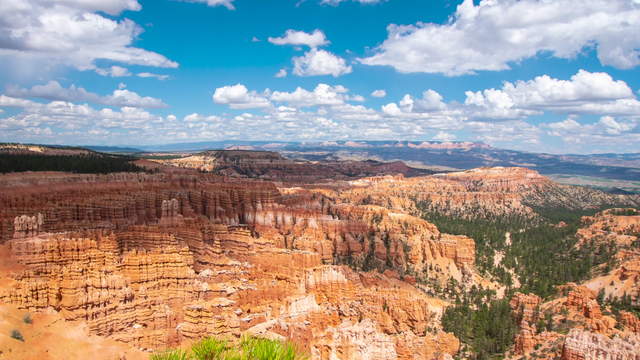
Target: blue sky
[{"x": 546, "y": 76}]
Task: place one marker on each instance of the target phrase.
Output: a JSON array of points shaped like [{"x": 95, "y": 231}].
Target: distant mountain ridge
[{"x": 607, "y": 171}]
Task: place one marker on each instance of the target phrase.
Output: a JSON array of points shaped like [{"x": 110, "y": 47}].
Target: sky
[{"x": 557, "y": 76}]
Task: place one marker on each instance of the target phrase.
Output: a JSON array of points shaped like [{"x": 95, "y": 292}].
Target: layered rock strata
[{"x": 159, "y": 260}]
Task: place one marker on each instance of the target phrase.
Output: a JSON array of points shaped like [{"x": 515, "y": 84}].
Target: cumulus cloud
[
  {"x": 430, "y": 103},
  {"x": 320, "y": 62},
  {"x": 281, "y": 73},
  {"x": 294, "y": 37},
  {"x": 124, "y": 97},
  {"x": 337, "y": 2},
  {"x": 585, "y": 92},
  {"x": 226, "y": 3},
  {"x": 605, "y": 135},
  {"x": 332, "y": 112},
  {"x": 379, "y": 93},
  {"x": 72, "y": 32},
  {"x": 444, "y": 136},
  {"x": 493, "y": 34},
  {"x": 54, "y": 91},
  {"x": 314, "y": 62},
  {"x": 114, "y": 71},
  {"x": 239, "y": 97},
  {"x": 66, "y": 115},
  {"x": 323, "y": 94},
  {"x": 606, "y": 127},
  {"x": 152, "y": 75}
]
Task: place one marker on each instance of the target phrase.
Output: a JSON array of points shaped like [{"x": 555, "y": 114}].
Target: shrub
[
  {"x": 264, "y": 349},
  {"x": 17, "y": 335},
  {"x": 210, "y": 349},
  {"x": 27, "y": 319},
  {"x": 171, "y": 355},
  {"x": 249, "y": 348}
]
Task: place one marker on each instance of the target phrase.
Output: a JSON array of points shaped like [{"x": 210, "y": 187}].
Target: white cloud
[
  {"x": 585, "y": 92},
  {"x": 111, "y": 7},
  {"x": 66, "y": 115},
  {"x": 613, "y": 127},
  {"x": 114, "y": 71},
  {"x": 226, "y": 3},
  {"x": 152, "y": 75},
  {"x": 281, "y": 73},
  {"x": 606, "y": 131},
  {"x": 444, "y": 136},
  {"x": 337, "y": 2},
  {"x": 379, "y": 93},
  {"x": 54, "y": 91},
  {"x": 293, "y": 37},
  {"x": 320, "y": 62},
  {"x": 239, "y": 97},
  {"x": 323, "y": 94},
  {"x": 195, "y": 117},
  {"x": 493, "y": 34},
  {"x": 9, "y": 101},
  {"x": 70, "y": 32},
  {"x": 128, "y": 98},
  {"x": 430, "y": 103},
  {"x": 331, "y": 112}
]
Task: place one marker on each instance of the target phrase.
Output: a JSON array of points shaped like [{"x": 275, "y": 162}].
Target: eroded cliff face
[
  {"x": 478, "y": 193},
  {"x": 586, "y": 345},
  {"x": 159, "y": 260},
  {"x": 572, "y": 327}
]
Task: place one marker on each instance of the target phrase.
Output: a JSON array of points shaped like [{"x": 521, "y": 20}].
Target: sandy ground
[{"x": 49, "y": 336}]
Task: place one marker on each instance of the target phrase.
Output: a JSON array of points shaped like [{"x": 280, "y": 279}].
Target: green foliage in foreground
[
  {"x": 488, "y": 330},
  {"x": 171, "y": 355},
  {"x": 249, "y": 348},
  {"x": 263, "y": 349}
]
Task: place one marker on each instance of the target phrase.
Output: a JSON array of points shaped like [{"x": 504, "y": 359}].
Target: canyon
[
  {"x": 349, "y": 269},
  {"x": 159, "y": 260}
]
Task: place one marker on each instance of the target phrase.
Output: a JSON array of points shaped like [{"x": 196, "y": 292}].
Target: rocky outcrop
[
  {"x": 478, "y": 193},
  {"x": 620, "y": 226},
  {"x": 526, "y": 311},
  {"x": 170, "y": 212},
  {"x": 580, "y": 344},
  {"x": 24, "y": 226},
  {"x": 356, "y": 341}
]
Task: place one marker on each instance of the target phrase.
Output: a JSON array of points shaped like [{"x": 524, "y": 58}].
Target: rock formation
[
  {"x": 344, "y": 269},
  {"x": 581, "y": 344},
  {"x": 157, "y": 260},
  {"x": 24, "y": 225}
]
